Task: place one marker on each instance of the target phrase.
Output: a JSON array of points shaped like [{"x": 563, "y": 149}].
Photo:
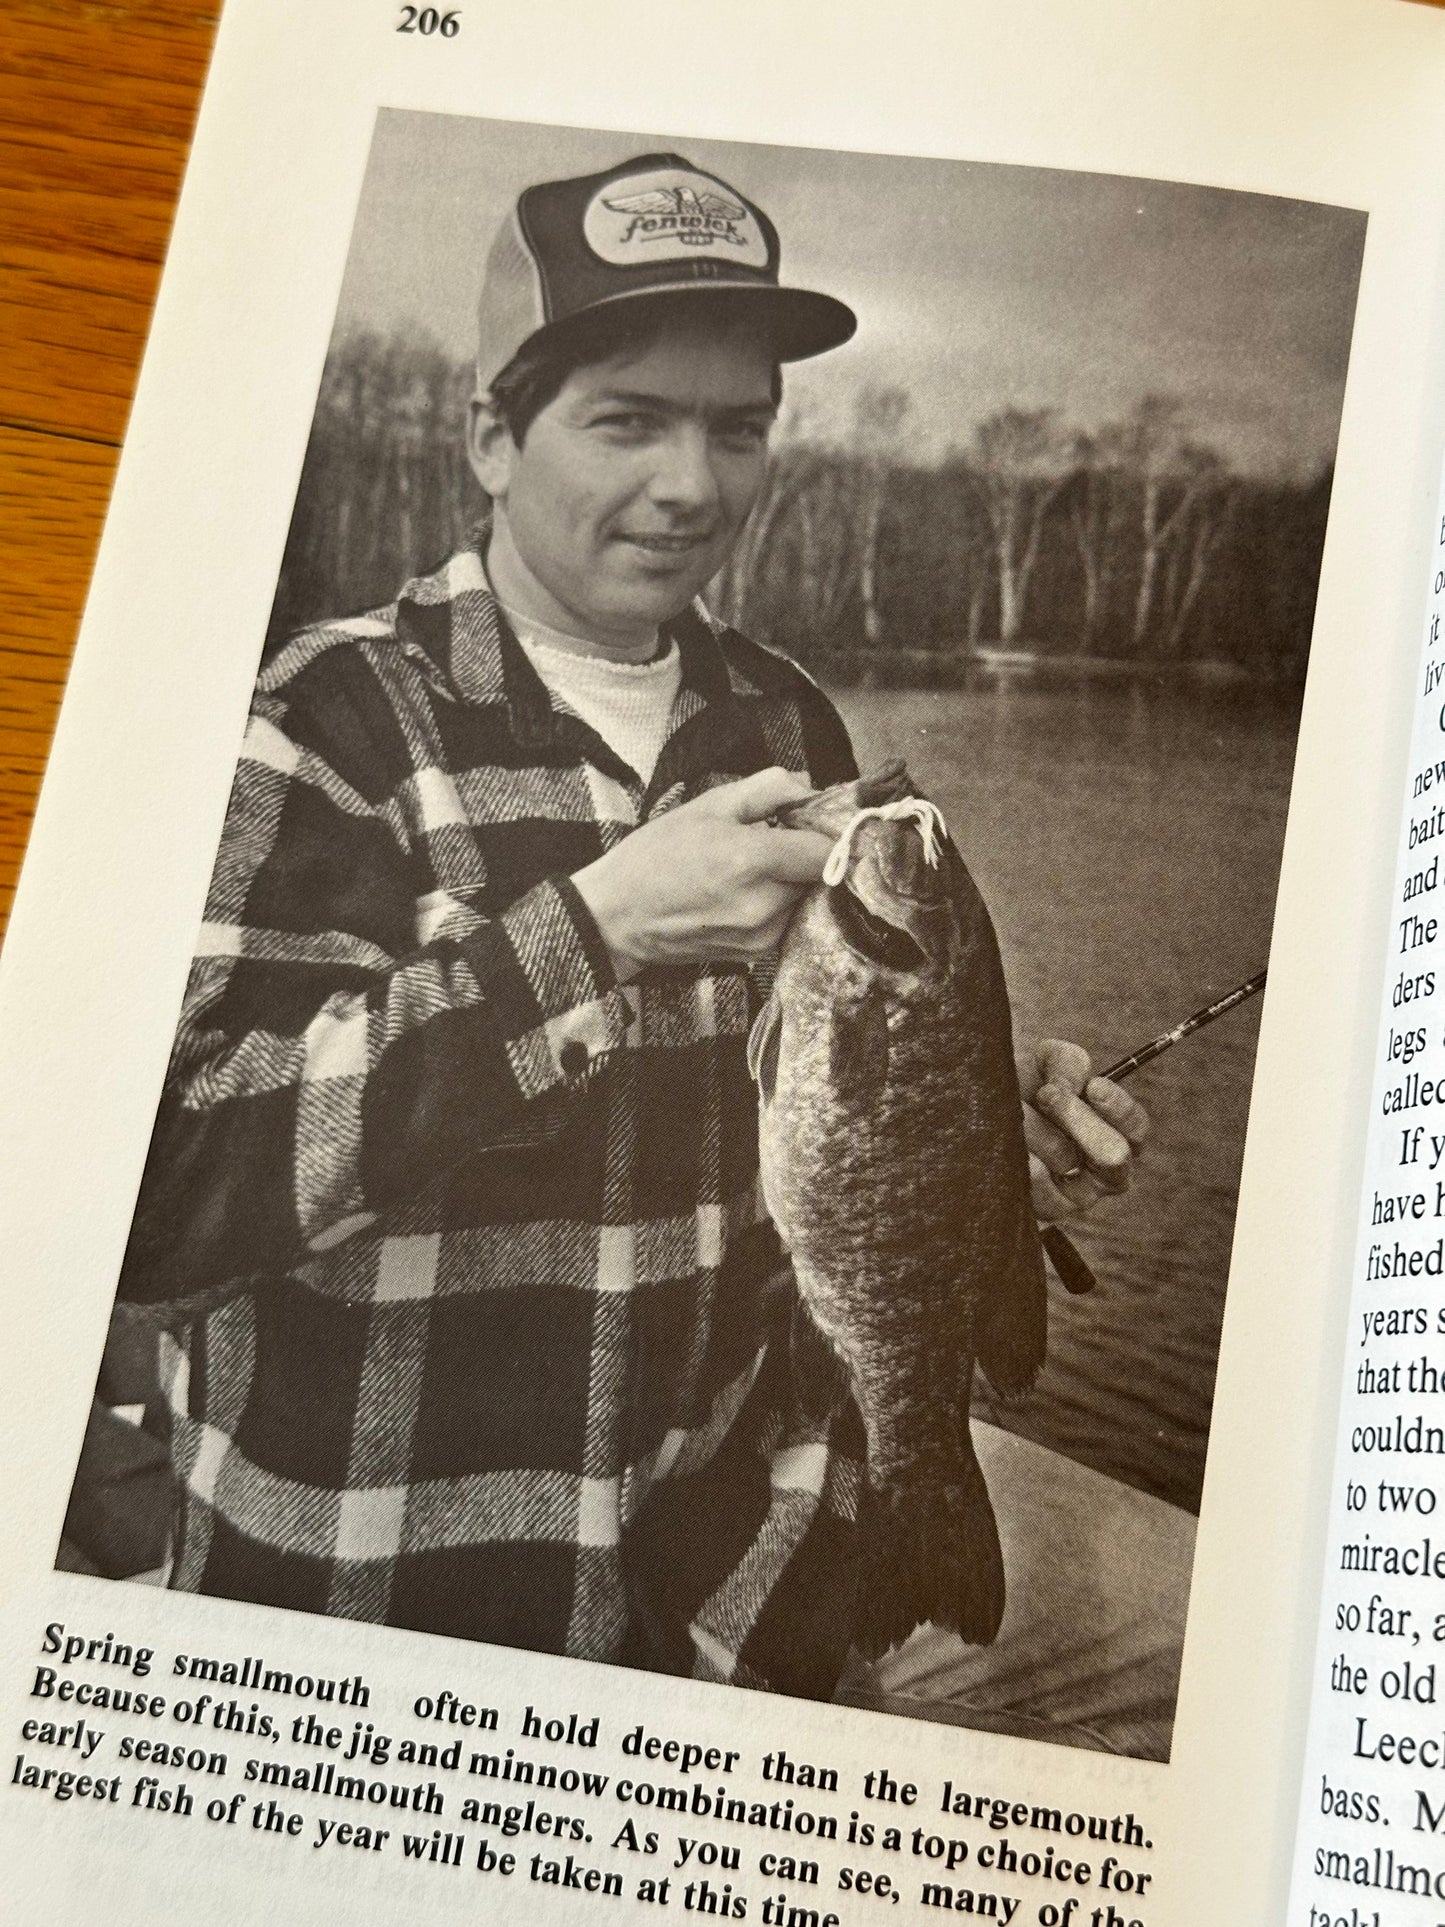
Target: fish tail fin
[
  {"x": 931, "y": 1554},
  {"x": 1012, "y": 1338}
]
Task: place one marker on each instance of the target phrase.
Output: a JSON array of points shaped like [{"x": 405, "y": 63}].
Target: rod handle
[{"x": 1073, "y": 1270}]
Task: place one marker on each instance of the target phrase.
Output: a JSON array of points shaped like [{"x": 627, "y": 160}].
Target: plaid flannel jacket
[{"x": 481, "y": 1325}]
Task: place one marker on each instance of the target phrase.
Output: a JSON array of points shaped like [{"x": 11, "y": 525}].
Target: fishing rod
[
  {"x": 1167, "y": 1039},
  {"x": 1074, "y": 1273}
]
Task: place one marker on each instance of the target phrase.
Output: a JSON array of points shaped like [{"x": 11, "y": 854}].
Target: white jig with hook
[{"x": 926, "y": 816}]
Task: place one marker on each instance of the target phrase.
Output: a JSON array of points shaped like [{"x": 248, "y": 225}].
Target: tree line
[{"x": 1137, "y": 544}]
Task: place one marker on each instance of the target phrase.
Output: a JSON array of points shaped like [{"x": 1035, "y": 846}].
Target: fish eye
[{"x": 874, "y": 937}]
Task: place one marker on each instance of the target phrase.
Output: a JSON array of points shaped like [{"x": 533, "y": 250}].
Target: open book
[{"x": 521, "y": 1382}]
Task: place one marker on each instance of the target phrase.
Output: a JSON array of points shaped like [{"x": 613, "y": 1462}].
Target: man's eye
[
  {"x": 752, "y": 434},
  {"x": 626, "y": 422}
]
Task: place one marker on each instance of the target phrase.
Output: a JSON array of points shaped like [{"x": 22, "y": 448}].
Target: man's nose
[{"x": 684, "y": 475}]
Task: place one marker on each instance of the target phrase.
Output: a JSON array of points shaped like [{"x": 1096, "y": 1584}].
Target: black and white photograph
[{"x": 704, "y": 1128}]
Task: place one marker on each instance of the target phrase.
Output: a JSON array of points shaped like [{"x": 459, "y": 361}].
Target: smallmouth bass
[{"x": 894, "y": 1166}]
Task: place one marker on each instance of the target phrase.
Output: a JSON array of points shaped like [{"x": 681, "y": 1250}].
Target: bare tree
[
  {"x": 977, "y": 560},
  {"x": 1019, "y": 466},
  {"x": 1161, "y": 530},
  {"x": 1191, "y": 552},
  {"x": 827, "y": 550},
  {"x": 1096, "y": 500},
  {"x": 1172, "y": 472},
  {"x": 814, "y": 537},
  {"x": 743, "y": 584},
  {"x": 878, "y": 415}
]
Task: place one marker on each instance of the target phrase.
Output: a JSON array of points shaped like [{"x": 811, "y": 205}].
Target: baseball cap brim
[{"x": 799, "y": 322}]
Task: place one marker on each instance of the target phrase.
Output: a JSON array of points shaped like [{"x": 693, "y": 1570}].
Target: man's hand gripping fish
[{"x": 894, "y": 1166}]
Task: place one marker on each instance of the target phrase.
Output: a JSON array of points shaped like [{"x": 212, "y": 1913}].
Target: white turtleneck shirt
[{"x": 627, "y": 699}]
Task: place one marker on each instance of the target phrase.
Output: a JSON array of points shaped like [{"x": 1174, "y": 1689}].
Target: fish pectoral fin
[
  {"x": 765, "y": 1040},
  {"x": 820, "y": 1378},
  {"x": 1013, "y": 1333},
  {"x": 858, "y": 1049}
]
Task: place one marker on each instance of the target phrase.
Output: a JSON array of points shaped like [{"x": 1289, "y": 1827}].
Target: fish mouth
[{"x": 874, "y": 937}]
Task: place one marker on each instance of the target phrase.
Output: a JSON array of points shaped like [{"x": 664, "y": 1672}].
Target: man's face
[{"x": 632, "y": 484}]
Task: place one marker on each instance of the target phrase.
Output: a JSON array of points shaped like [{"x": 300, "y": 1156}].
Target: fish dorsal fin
[
  {"x": 858, "y": 1049},
  {"x": 764, "y": 1043}
]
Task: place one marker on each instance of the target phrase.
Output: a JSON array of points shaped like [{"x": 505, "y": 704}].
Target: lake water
[{"x": 1127, "y": 841}]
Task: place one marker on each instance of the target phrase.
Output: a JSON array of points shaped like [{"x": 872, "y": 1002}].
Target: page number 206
[{"x": 429, "y": 20}]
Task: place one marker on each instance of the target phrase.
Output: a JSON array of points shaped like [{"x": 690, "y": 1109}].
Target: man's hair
[{"x": 535, "y": 375}]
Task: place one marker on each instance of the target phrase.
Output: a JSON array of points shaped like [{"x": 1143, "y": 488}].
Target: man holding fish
[{"x": 454, "y": 1194}]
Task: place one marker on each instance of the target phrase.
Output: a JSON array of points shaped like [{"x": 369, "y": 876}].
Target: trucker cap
[{"x": 652, "y": 226}]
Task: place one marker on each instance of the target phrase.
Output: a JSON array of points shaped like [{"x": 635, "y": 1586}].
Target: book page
[
  {"x": 1373, "y": 1748},
  {"x": 400, "y": 1311}
]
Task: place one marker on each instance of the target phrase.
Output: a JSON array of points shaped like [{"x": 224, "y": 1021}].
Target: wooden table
[{"x": 97, "y": 102}]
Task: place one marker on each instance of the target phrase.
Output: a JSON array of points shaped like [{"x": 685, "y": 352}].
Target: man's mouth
[{"x": 672, "y": 544}]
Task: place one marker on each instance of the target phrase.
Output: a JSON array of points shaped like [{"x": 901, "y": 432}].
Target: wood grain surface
[{"x": 97, "y": 103}]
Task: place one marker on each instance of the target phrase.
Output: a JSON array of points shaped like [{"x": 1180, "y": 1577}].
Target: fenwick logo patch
[{"x": 671, "y": 215}]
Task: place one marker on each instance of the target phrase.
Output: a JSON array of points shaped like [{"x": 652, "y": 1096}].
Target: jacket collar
[{"x": 451, "y": 622}]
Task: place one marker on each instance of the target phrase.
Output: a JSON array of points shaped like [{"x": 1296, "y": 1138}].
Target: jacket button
[{"x": 573, "y": 1057}]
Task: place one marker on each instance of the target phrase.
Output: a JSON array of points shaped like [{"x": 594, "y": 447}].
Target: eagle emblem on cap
[{"x": 679, "y": 207}]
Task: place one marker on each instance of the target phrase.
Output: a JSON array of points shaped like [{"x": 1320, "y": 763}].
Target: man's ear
[{"x": 490, "y": 448}]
